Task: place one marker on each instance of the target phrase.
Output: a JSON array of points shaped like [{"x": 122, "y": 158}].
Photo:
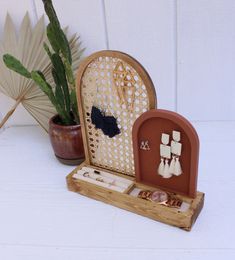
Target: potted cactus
[{"x": 64, "y": 128}]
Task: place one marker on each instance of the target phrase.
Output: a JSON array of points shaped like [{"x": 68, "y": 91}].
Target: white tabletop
[{"x": 40, "y": 219}]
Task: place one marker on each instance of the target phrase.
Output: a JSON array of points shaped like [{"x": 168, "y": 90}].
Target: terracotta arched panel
[{"x": 150, "y": 126}]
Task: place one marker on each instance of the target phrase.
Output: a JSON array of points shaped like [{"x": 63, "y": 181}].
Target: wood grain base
[{"x": 171, "y": 216}]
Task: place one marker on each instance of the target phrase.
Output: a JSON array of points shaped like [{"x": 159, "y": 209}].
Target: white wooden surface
[
  {"x": 40, "y": 219},
  {"x": 187, "y": 46}
]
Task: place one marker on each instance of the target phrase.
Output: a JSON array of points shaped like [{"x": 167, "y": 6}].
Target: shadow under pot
[{"x": 66, "y": 142}]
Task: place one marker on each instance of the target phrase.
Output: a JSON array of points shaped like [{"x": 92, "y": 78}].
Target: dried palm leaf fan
[{"x": 28, "y": 47}]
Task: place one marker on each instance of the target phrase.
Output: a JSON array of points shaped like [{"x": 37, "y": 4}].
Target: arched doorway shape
[{"x": 150, "y": 126}]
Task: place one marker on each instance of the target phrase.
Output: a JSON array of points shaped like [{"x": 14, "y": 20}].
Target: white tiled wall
[
  {"x": 187, "y": 46},
  {"x": 206, "y": 59}
]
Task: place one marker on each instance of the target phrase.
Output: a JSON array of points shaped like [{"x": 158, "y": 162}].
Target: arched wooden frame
[
  {"x": 150, "y": 126},
  {"x": 129, "y": 60}
]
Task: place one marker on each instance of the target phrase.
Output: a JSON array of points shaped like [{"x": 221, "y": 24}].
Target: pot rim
[{"x": 51, "y": 122}]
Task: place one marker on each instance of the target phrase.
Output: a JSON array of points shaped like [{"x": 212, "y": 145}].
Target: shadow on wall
[{"x": 1, "y": 129}]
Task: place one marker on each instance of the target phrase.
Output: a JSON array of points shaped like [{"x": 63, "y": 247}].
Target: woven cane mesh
[{"x": 114, "y": 87}]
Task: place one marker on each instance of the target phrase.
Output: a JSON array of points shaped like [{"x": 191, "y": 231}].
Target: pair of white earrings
[{"x": 166, "y": 151}]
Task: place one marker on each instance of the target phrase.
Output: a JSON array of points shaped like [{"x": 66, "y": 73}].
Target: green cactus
[
  {"x": 63, "y": 96},
  {"x": 16, "y": 65}
]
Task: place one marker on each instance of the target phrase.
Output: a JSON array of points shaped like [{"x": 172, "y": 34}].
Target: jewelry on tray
[
  {"x": 93, "y": 175},
  {"x": 106, "y": 178},
  {"x": 99, "y": 179},
  {"x": 161, "y": 198},
  {"x": 86, "y": 174}
]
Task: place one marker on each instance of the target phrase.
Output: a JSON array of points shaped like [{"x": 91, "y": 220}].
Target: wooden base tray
[{"x": 171, "y": 216}]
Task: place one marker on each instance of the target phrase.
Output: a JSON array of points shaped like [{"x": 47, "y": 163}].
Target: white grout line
[{"x": 105, "y": 24}]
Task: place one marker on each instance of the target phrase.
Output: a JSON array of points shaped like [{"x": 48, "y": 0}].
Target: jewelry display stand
[
  {"x": 146, "y": 162},
  {"x": 119, "y": 86}
]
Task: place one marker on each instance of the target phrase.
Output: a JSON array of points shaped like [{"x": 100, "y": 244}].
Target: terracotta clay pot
[{"x": 66, "y": 142}]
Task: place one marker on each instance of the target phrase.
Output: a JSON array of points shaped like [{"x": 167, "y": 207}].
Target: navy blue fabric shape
[{"x": 108, "y": 124}]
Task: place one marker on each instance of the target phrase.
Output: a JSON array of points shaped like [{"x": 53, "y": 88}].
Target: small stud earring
[{"x": 144, "y": 145}]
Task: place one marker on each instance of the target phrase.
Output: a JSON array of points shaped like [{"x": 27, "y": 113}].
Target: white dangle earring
[
  {"x": 172, "y": 165},
  {"x": 166, "y": 172},
  {"x": 161, "y": 167},
  {"x": 176, "y": 147},
  {"x": 165, "y": 153},
  {"x": 178, "y": 169}
]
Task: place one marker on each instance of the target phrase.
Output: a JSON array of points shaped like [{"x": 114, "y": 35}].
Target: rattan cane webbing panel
[{"x": 115, "y": 87}]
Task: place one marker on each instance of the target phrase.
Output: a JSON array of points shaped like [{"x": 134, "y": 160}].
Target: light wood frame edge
[
  {"x": 170, "y": 216},
  {"x": 128, "y": 59}
]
